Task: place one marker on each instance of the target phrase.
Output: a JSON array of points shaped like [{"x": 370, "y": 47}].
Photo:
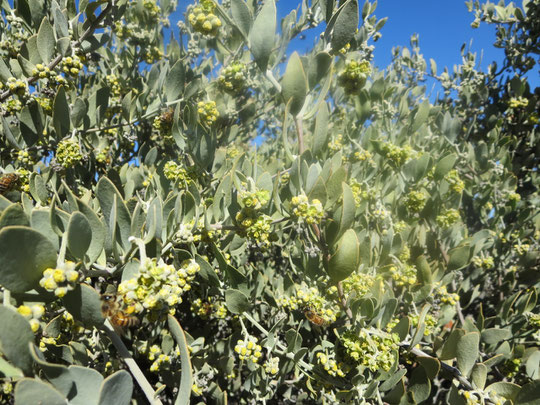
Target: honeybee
[
  {"x": 8, "y": 182},
  {"x": 314, "y": 317},
  {"x": 120, "y": 319},
  {"x": 167, "y": 116}
]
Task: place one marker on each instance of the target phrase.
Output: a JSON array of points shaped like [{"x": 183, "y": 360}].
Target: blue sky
[{"x": 443, "y": 27}]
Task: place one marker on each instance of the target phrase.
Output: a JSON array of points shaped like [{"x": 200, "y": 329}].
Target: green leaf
[
  {"x": 15, "y": 336},
  {"x": 13, "y": 215},
  {"x": 29, "y": 391},
  {"x": 419, "y": 385},
  {"x": 423, "y": 270},
  {"x": 421, "y": 116},
  {"x": 344, "y": 25},
  {"x": 79, "y": 234},
  {"x": 58, "y": 375},
  {"x": 444, "y": 166},
  {"x": 7, "y": 370},
  {"x": 46, "y": 40},
  {"x": 467, "y": 352},
  {"x": 348, "y": 209},
  {"x": 346, "y": 257},
  {"x": 174, "y": 84},
  {"x": 184, "y": 392},
  {"x": 237, "y": 302},
  {"x": 116, "y": 389},
  {"x": 529, "y": 394},
  {"x": 294, "y": 84},
  {"x": 479, "y": 375},
  {"x": 110, "y": 198},
  {"x": 261, "y": 35},
  {"x": 61, "y": 118},
  {"x": 98, "y": 231},
  {"x": 84, "y": 303},
  {"x": 241, "y": 15},
  {"x": 493, "y": 336},
  {"x": 38, "y": 188},
  {"x": 320, "y": 134},
  {"x": 459, "y": 257},
  {"x": 506, "y": 390},
  {"x": 87, "y": 382},
  {"x": 24, "y": 254}
]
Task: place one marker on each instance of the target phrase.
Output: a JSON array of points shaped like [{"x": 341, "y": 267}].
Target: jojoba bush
[{"x": 208, "y": 217}]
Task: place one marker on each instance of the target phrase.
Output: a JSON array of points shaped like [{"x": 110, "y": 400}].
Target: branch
[
  {"x": 132, "y": 364},
  {"x": 89, "y": 31}
]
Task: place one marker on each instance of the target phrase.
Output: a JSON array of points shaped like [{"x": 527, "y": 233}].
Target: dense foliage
[{"x": 323, "y": 231}]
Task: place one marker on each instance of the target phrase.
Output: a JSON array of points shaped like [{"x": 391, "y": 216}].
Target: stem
[
  {"x": 343, "y": 301},
  {"x": 7, "y": 298},
  {"x": 62, "y": 253},
  {"x": 270, "y": 76},
  {"x": 132, "y": 364}
]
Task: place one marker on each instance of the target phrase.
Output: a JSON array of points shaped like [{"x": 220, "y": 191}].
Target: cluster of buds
[
  {"x": 103, "y": 155},
  {"x": 33, "y": 314},
  {"x": 41, "y": 71},
  {"x": 456, "y": 184},
  {"x": 11, "y": 107},
  {"x": 158, "y": 285},
  {"x": 152, "y": 8},
  {"x": 250, "y": 221},
  {"x": 233, "y": 78},
  {"x": 114, "y": 85},
  {"x": 354, "y": 77},
  {"x": 360, "y": 283},
  {"x": 209, "y": 309},
  {"x": 306, "y": 211},
  {"x": 415, "y": 201},
  {"x": 361, "y": 155},
  {"x": 336, "y": 143},
  {"x": 17, "y": 86},
  {"x": 152, "y": 54},
  {"x": 271, "y": 366},
  {"x": 248, "y": 349},
  {"x": 24, "y": 157},
  {"x": 444, "y": 296},
  {"x": 68, "y": 153},
  {"x": 517, "y": 102},
  {"x": 395, "y": 154},
  {"x": 60, "y": 280},
  {"x": 483, "y": 262},
  {"x": 360, "y": 192},
  {"x": 330, "y": 365},
  {"x": 404, "y": 275},
  {"x": 72, "y": 65},
  {"x": 203, "y": 19},
  {"x": 173, "y": 171},
  {"x": 430, "y": 323},
  {"x": 184, "y": 234},
  {"x": 208, "y": 113},
  {"x": 448, "y": 218},
  {"x": 371, "y": 348}
]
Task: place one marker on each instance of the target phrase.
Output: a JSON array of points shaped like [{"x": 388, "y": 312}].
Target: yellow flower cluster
[
  {"x": 415, "y": 201},
  {"x": 41, "y": 71},
  {"x": 251, "y": 222},
  {"x": 518, "y": 102},
  {"x": 484, "y": 262},
  {"x": 17, "y": 86},
  {"x": 360, "y": 283},
  {"x": 304, "y": 210},
  {"x": 173, "y": 171},
  {"x": 33, "y": 314},
  {"x": 209, "y": 309},
  {"x": 60, "y": 280},
  {"x": 271, "y": 366},
  {"x": 158, "y": 285},
  {"x": 444, "y": 295},
  {"x": 456, "y": 184},
  {"x": 429, "y": 321},
  {"x": 248, "y": 349},
  {"x": 354, "y": 76},
  {"x": 68, "y": 153},
  {"x": 448, "y": 218},
  {"x": 72, "y": 65},
  {"x": 233, "y": 78},
  {"x": 24, "y": 157},
  {"x": 403, "y": 275},
  {"x": 397, "y": 155},
  {"x": 203, "y": 19},
  {"x": 208, "y": 113},
  {"x": 330, "y": 365},
  {"x": 371, "y": 348},
  {"x": 336, "y": 143}
]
